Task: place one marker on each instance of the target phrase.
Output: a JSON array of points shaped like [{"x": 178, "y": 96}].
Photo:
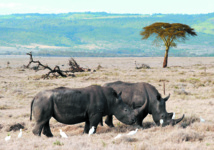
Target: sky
[{"x": 109, "y": 6}]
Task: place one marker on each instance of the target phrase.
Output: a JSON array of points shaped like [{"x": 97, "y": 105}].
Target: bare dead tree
[
  {"x": 31, "y": 59},
  {"x": 74, "y": 67},
  {"x": 55, "y": 70},
  {"x": 143, "y": 66}
]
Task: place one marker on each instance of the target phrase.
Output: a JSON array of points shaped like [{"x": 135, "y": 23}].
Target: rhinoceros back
[{"x": 133, "y": 93}]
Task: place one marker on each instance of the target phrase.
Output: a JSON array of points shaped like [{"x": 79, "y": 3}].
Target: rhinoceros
[
  {"x": 136, "y": 94},
  {"x": 71, "y": 106}
]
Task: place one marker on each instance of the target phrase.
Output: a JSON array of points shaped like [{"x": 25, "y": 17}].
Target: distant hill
[{"x": 99, "y": 34}]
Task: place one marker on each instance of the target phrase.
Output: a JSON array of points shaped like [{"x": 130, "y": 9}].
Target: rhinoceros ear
[
  {"x": 119, "y": 95},
  {"x": 158, "y": 97},
  {"x": 114, "y": 93}
]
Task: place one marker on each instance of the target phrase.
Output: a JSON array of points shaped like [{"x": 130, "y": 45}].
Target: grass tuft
[
  {"x": 147, "y": 125},
  {"x": 104, "y": 144},
  {"x": 58, "y": 143},
  {"x": 179, "y": 136},
  {"x": 4, "y": 107},
  {"x": 130, "y": 139},
  {"x": 187, "y": 121}
]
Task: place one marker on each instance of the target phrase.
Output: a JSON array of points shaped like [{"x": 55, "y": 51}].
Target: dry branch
[
  {"x": 143, "y": 66},
  {"x": 74, "y": 67},
  {"x": 55, "y": 70}
]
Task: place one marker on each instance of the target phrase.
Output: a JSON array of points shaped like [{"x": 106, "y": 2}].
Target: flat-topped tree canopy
[{"x": 168, "y": 33}]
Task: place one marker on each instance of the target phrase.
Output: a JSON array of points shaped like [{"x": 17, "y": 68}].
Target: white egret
[
  {"x": 173, "y": 117},
  {"x": 201, "y": 119},
  {"x": 132, "y": 132},
  {"x": 118, "y": 136},
  {"x": 63, "y": 135},
  {"x": 91, "y": 131},
  {"x": 20, "y": 134},
  {"x": 7, "y": 138}
]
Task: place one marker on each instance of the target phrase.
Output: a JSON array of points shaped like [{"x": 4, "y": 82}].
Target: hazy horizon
[
  {"x": 116, "y": 7},
  {"x": 108, "y": 13}
]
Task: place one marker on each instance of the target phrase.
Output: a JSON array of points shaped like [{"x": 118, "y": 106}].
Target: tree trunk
[{"x": 166, "y": 58}]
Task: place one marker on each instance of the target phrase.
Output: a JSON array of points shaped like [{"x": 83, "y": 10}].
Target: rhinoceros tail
[{"x": 31, "y": 109}]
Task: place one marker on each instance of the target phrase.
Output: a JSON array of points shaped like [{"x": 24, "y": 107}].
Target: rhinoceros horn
[
  {"x": 137, "y": 111},
  {"x": 175, "y": 121},
  {"x": 166, "y": 98}
]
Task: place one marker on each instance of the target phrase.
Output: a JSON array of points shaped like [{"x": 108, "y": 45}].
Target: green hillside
[{"x": 98, "y": 34}]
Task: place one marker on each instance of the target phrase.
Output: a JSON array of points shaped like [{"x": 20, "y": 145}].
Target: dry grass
[
  {"x": 193, "y": 75},
  {"x": 180, "y": 135}
]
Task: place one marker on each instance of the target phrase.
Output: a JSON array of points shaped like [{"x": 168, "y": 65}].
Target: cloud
[{"x": 9, "y": 5}]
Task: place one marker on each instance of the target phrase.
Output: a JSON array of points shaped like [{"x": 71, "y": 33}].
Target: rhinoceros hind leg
[
  {"x": 38, "y": 128},
  {"x": 101, "y": 122},
  {"x": 86, "y": 128},
  {"x": 47, "y": 130},
  {"x": 109, "y": 121}
]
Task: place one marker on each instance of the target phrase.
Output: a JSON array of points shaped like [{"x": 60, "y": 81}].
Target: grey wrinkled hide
[
  {"x": 71, "y": 106},
  {"x": 136, "y": 95}
]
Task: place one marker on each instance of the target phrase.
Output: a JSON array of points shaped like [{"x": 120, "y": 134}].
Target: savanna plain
[{"x": 190, "y": 81}]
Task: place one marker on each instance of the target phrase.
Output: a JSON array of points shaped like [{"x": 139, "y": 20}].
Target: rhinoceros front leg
[
  {"x": 95, "y": 120},
  {"x": 47, "y": 130},
  {"x": 109, "y": 121},
  {"x": 140, "y": 119}
]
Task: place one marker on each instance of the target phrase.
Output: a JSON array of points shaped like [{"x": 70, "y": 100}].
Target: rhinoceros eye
[{"x": 125, "y": 109}]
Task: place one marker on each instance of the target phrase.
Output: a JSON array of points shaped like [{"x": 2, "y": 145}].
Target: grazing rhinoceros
[
  {"x": 71, "y": 106},
  {"x": 135, "y": 94}
]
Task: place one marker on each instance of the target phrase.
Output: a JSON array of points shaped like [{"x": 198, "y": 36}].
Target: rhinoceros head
[
  {"x": 121, "y": 111},
  {"x": 159, "y": 113}
]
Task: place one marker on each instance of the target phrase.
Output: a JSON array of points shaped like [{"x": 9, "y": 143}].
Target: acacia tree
[{"x": 168, "y": 33}]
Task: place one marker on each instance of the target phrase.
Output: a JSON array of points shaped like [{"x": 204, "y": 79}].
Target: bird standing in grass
[
  {"x": 63, "y": 135},
  {"x": 91, "y": 131},
  {"x": 201, "y": 119},
  {"x": 118, "y": 136},
  {"x": 20, "y": 134},
  {"x": 132, "y": 132},
  {"x": 7, "y": 138}
]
